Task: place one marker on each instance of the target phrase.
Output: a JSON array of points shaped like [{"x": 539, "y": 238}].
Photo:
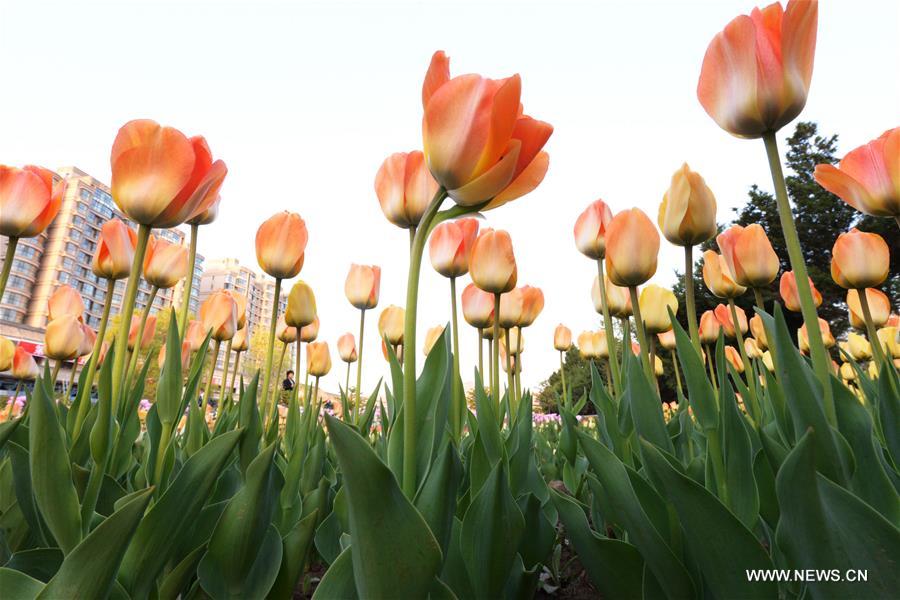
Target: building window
[{"x": 71, "y": 248}]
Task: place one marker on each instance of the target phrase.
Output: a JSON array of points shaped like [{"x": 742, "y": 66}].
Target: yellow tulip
[
  {"x": 687, "y": 214},
  {"x": 655, "y": 303}
]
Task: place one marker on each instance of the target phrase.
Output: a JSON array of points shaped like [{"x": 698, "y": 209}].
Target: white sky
[{"x": 304, "y": 101}]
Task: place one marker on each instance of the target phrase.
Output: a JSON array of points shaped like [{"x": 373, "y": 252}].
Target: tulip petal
[
  {"x": 844, "y": 186},
  {"x": 799, "y": 45},
  {"x": 23, "y": 199},
  {"x": 490, "y": 183},
  {"x": 437, "y": 75},
  {"x": 525, "y": 182},
  {"x": 533, "y": 135},
  {"x": 504, "y": 117}
]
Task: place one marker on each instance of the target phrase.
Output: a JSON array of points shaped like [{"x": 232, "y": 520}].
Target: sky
[{"x": 304, "y": 100}]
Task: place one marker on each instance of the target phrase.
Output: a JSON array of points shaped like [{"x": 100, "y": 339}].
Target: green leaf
[
  {"x": 51, "y": 473},
  {"x": 7, "y": 428},
  {"x": 297, "y": 544},
  {"x": 436, "y": 499},
  {"x": 40, "y": 563},
  {"x": 491, "y": 532},
  {"x": 249, "y": 419},
  {"x": 168, "y": 390},
  {"x": 89, "y": 571},
  {"x": 700, "y": 391},
  {"x": 615, "y": 567},
  {"x": 394, "y": 554},
  {"x": 646, "y": 407},
  {"x": 722, "y": 546},
  {"x": 338, "y": 583},
  {"x": 823, "y": 526},
  {"x": 743, "y": 497},
  {"x": 18, "y": 585}
]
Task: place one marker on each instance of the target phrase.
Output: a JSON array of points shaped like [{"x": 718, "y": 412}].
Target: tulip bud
[
  {"x": 63, "y": 338},
  {"x": 206, "y": 216},
  {"x": 734, "y": 358},
  {"x": 590, "y": 230},
  {"x": 617, "y": 299},
  {"x": 241, "y": 302},
  {"x": 759, "y": 331},
  {"x": 749, "y": 255},
  {"x": 347, "y": 348},
  {"x": 29, "y": 201},
  {"x": 857, "y": 346},
  {"x": 859, "y": 260},
  {"x": 511, "y": 308},
  {"x": 87, "y": 340},
  {"x": 7, "y": 352},
  {"x": 709, "y": 327},
  {"x": 23, "y": 366},
  {"x": 309, "y": 333},
  {"x": 450, "y": 246},
  {"x": 115, "y": 250},
  {"x": 165, "y": 263},
  {"x": 284, "y": 332},
  {"x": 717, "y": 276},
  {"x": 658, "y": 369},
  {"x": 723, "y": 314},
  {"x": 149, "y": 332},
  {"x": 195, "y": 334},
  {"x": 185, "y": 356},
  {"x": 362, "y": 286},
  {"x": 391, "y": 324},
  {"x": 879, "y": 308},
  {"x": 687, "y": 215},
  {"x": 493, "y": 264},
  {"x": 889, "y": 339},
  {"x": 218, "y": 313},
  {"x": 667, "y": 339},
  {"x": 803, "y": 337},
  {"x": 65, "y": 301},
  {"x": 562, "y": 338},
  {"x": 301, "y": 305},
  {"x": 240, "y": 343},
  {"x": 632, "y": 246},
  {"x": 752, "y": 348},
  {"x": 532, "y": 305},
  {"x": 404, "y": 187},
  {"x": 767, "y": 361},
  {"x": 848, "y": 373},
  {"x": 280, "y": 244},
  {"x": 431, "y": 336},
  {"x": 318, "y": 359},
  {"x": 655, "y": 303},
  {"x": 477, "y": 307},
  {"x": 101, "y": 356},
  {"x": 512, "y": 341},
  {"x": 398, "y": 351},
  {"x": 788, "y": 289},
  {"x": 593, "y": 344}
]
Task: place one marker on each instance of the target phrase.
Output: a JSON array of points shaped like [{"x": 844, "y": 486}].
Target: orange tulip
[
  {"x": 687, "y": 214},
  {"x": 759, "y": 331},
  {"x": 185, "y": 356},
  {"x": 512, "y": 306},
  {"x": 165, "y": 263},
  {"x": 347, "y": 348},
  {"x": 160, "y": 178},
  {"x": 504, "y": 360},
  {"x": 404, "y": 187},
  {"x": 709, "y": 327},
  {"x": 64, "y": 301},
  {"x": 309, "y": 333},
  {"x": 752, "y": 348},
  {"x": 632, "y": 245},
  {"x": 28, "y": 200},
  {"x": 218, "y": 313},
  {"x": 879, "y": 308},
  {"x": 723, "y": 314},
  {"x": 749, "y": 255},
  {"x": 512, "y": 342},
  {"x": 285, "y": 333},
  {"x": 240, "y": 343},
  {"x": 532, "y": 305},
  {"x": 756, "y": 72},
  {"x": 301, "y": 305},
  {"x": 115, "y": 250},
  {"x": 479, "y": 145},
  {"x": 241, "y": 302},
  {"x": 590, "y": 229},
  {"x": 23, "y": 365},
  {"x": 593, "y": 344},
  {"x": 7, "y": 351},
  {"x": 493, "y": 264},
  {"x": 280, "y": 244},
  {"x": 318, "y": 359},
  {"x": 149, "y": 332},
  {"x": 860, "y": 260},
  {"x": 734, "y": 358},
  {"x": 788, "y": 289},
  {"x": 391, "y": 324},
  {"x": 868, "y": 178},
  {"x": 207, "y": 216},
  {"x": 450, "y": 246},
  {"x": 362, "y": 286},
  {"x": 195, "y": 334},
  {"x": 87, "y": 340},
  {"x": 717, "y": 276},
  {"x": 63, "y": 337},
  {"x": 655, "y": 303},
  {"x": 562, "y": 338},
  {"x": 666, "y": 339},
  {"x": 431, "y": 336},
  {"x": 477, "y": 307},
  {"x": 398, "y": 351},
  {"x": 618, "y": 299},
  {"x": 101, "y": 356},
  {"x": 803, "y": 337}
]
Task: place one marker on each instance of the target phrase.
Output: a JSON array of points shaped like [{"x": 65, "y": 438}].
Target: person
[{"x": 288, "y": 384}]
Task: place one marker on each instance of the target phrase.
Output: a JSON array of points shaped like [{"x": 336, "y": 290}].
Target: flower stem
[
  {"x": 877, "y": 349},
  {"x": 480, "y": 355},
  {"x": 362, "y": 331},
  {"x": 224, "y": 380},
  {"x": 189, "y": 282},
  {"x": 562, "y": 373},
  {"x": 689, "y": 297},
  {"x": 641, "y": 334},
  {"x": 748, "y": 368},
  {"x": 237, "y": 360},
  {"x": 417, "y": 247},
  {"x": 132, "y": 364},
  {"x": 209, "y": 378},
  {"x": 458, "y": 401},
  {"x": 795, "y": 253},
  {"x": 610, "y": 333},
  {"x": 270, "y": 348},
  {"x": 677, "y": 374},
  {"x": 84, "y": 402},
  {"x": 11, "y": 244},
  {"x": 495, "y": 357},
  {"x": 760, "y": 304}
]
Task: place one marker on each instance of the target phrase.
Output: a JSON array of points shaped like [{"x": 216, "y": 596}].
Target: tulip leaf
[
  {"x": 436, "y": 499},
  {"x": 250, "y": 420},
  {"x": 18, "y": 585},
  {"x": 401, "y": 564},
  {"x": 89, "y": 571},
  {"x": 40, "y": 563},
  {"x": 7, "y": 428},
  {"x": 823, "y": 526},
  {"x": 700, "y": 391},
  {"x": 51, "y": 473},
  {"x": 743, "y": 497},
  {"x": 297, "y": 544},
  {"x": 646, "y": 408},
  {"x": 338, "y": 580},
  {"x": 168, "y": 390}
]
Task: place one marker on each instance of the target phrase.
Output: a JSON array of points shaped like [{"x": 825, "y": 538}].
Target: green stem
[
  {"x": 237, "y": 360},
  {"x": 84, "y": 402},
  {"x": 714, "y": 448},
  {"x": 748, "y": 368},
  {"x": 677, "y": 374},
  {"x": 359, "y": 357},
  {"x": 7, "y": 263},
  {"x": 757, "y": 294},
  {"x": 610, "y": 332},
  {"x": 795, "y": 253},
  {"x": 68, "y": 391},
  {"x": 562, "y": 373},
  {"x": 132, "y": 364},
  {"x": 417, "y": 248},
  {"x": 189, "y": 282},
  {"x": 270, "y": 348},
  {"x": 55, "y": 374},
  {"x": 209, "y": 378},
  {"x": 712, "y": 372},
  {"x": 118, "y": 374},
  {"x": 275, "y": 382},
  {"x": 495, "y": 357},
  {"x": 877, "y": 350},
  {"x": 641, "y": 334},
  {"x": 456, "y": 395},
  {"x": 509, "y": 373},
  {"x": 222, "y": 387},
  {"x": 480, "y": 355},
  {"x": 346, "y": 388},
  {"x": 689, "y": 297},
  {"x": 164, "y": 437}
]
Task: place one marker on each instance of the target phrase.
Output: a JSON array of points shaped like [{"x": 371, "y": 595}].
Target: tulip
[
  {"x": 309, "y": 333},
  {"x": 687, "y": 214},
  {"x": 889, "y": 339},
  {"x": 512, "y": 306},
  {"x": 160, "y": 178},
  {"x": 767, "y": 361},
  {"x": 318, "y": 359},
  {"x": 63, "y": 338},
  {"x": 450, "y": 246},
  {"x": 788, "y": 289},
  {"x": 532, "y": 305},
  {"x": 859, "y": 260},
  {"x": 848, "y": 373},
  {"x": 562, "y": 338},
  {"x": 590, "y": 230},
  {"x": 24, "y": 367},
  {"x": 87, "y": 341},
  {"x": 734, "y": 358},
  {"x": 195, "y": 334},
  {"x": 65, "y": 301},
  {"x": 751, "y": 347},
  {"x": 240, "y": 343},
  {"x": 756, "y": 72},
  {"x": 301, "y": 305},
  {"x": 146, "y": 336},
  {"x": 710, "y": 326},
  {"x": 362, "y": 286},
  {"x": 492, "y": 264},
  {"x": 29, "y": 200},
  {"x": 592, "y": 344},
  {"x": 404, "y": 188},
  {"x": 477, "y": 307},
  {"x": 725, "y": 319},
  {"x": 759, "y": 331},
  {"x": 479, "y": 145},
  {"x": 285, "y": 333},
  {"x": 218, "y": 313},
  {"x": 431, "y": 336},
  {"x": 398, "y": 351},
  {"x": 280, "y": 244},
  {"x": 206, "y": 216},
  {"x": 508, "y": 362},
  {"x": 7, "y": 352},
  {"x": 512, "y": 341},
  {"x": 390, "y": 324},
  {"x": 666, "y": 339},
  {"x": 749, "y": 255},
  {"x": 185, "y": 356},
  {"x": 868, "y": 178},
  {"x": 857, "y": 346},
  {"x": 347, "y": 348},
  {"x": 655, "y": 303},
  {"x": 879, "y": 308},
  {"x": 115, "y": 250},
  {"x": 803, "y": 337},
  {"x": 165, "y": 263},
  {"x": 617, "y": 297},
  {"x": 717, "y": 276},
  {"x": 632, "y": 245}
]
